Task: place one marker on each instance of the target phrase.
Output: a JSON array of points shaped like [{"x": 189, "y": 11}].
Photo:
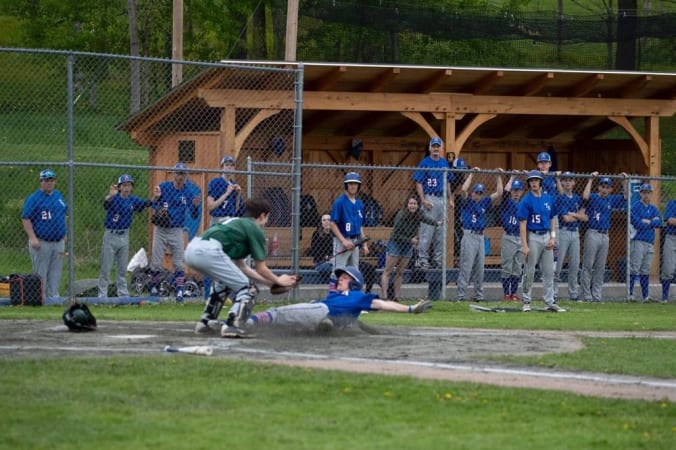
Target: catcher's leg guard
[
  {"x": 242, "y": 306},
  {"x": 214, "y": 304}
]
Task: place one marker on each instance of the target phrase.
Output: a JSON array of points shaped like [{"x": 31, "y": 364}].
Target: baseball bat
[
  {"x": 202, "y": 350},
  {"x": 357, "y": 243}
]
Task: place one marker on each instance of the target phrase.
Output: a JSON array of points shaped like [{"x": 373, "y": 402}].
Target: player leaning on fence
[
  {"x": 668, "y": 250},
  {"x": 44, "y": 220},
  {"x": 644, "y": 219},
  {"x": 511, "y": 254},
  {"x": 537, "y": 217}
]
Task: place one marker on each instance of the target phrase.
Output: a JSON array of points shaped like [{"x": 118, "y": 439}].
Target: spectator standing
[
  {"x": 537, "y": 220},
  {"x": 224, "y": 194},
  {"x": 173, "y": 199},
  {"x": 511, "y": 254},
  {"x": 472, "y": 247},
  {"x": 321, "y": 247},
  {"x": 400, "y": 245},
  {"x": 668, "y": 250},
  {"x": 120, "y": 206},
  {"x": 44, "y": 221},
  {"x": 596, "y": 243},
  {"x": 571, "y": 213},
  {"x": 347, "y": 220},
  {"x": 644, "y": 219},
  {"x": 429, "y": 185}
]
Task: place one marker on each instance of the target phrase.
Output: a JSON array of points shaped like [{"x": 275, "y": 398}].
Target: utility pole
[
  {"x": 177, "y": 43},
  {"x": 291, "y": 30}
]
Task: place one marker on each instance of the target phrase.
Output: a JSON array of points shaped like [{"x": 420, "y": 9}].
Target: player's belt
[
  {"x": 540, "y": 232},
  {"x": 110, "y": 230},
  {"x": 353, "y": 237},
  {"x": 512, "y": 234},
  {"x": 569, "y": 228},
  {"x": 599, "y": 231},
  {"x": 474, "y": 231},
  {"x": 50, "y": 239},
  {"x": 436, "y": 194}
]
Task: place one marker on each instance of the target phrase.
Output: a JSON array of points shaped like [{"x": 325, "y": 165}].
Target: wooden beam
[
  {"x": 228, "y": 132},
  {"x": 422, "y": 123},
  {"x": 629, "y": 89},
  {"x": 328, "y": 81},
  {"x": 436, "y": 80},
  {"x": 456, "y": 103},
  {"x": 583, "y": 87},
  {"x": 251, "y": 125},
  {"x": 535, "y": 85},
  {"x": 486, "y": 83},
  {"x": 479, "y": 120},
  {"x": 629, "y": 128},
  {"x": 382, "y": 80}
]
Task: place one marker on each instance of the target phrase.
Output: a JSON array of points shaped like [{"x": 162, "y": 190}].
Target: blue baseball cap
[
  {"x": 567, "y": 175},
  {"x": 227, "y": 159},
  {"x": 47, "y": 173},
  {"x": 436, "y": 141},
  {"x": 125, "y": 178},
  {"x": 606, "y": 180},
  {"x": 645, "y": 188},
  {"x": 517, "y": 185},
  {"x": 459, "y": 163},
  {"x": 180, "y": 168},
  {"x": 479, "y": 188},
  {"x": 544, "y": 156}
]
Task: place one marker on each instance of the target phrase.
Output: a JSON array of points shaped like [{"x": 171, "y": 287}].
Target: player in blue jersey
[
  {"x": 44, "y": 220},
  {"x": 544, "y": 163},
  {"x": 473, "y": 209},
  {"x": 644, "y": 219},
  {"x": 347, "y": 220},
  {"x": 571, "y": 213},
  {"x": 429, "y": 185},
  {"x": 537, "y": 218},
  {"x": 596, "y": 243},
  {"x": 177, "y": 199},
  {"x": 511, "y": 255},
  {"x": 224, "y": 198},
  {"x": 668, "y": 273},
  {"x": 120, "y": 205},
  {"x": 339, "y": 309}
]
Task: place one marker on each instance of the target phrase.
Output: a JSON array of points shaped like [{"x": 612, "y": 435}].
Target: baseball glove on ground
[{"x": 276, "y": 289}]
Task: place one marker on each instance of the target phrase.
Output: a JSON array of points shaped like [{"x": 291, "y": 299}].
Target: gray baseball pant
[
  {"x": 472, "y": 256},
  {"x": 431, "y": 239},
  {"x": 115, "y": 249},
  {"x": 538, "y": 253},
  {"x": 569, "y": 246},
  {"x": 47, "y": 261},
  {"x": 594, "y": 265}
]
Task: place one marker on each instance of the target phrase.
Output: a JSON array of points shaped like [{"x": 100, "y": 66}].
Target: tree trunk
[{"x": 626, "y": 35}]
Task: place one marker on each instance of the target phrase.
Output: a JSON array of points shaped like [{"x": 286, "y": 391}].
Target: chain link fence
[{"x": 72, "y": 114}]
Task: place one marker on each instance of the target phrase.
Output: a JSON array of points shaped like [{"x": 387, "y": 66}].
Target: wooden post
[
  {"x": 291, "y": 30},
  {"x": 177, "y": 43}
]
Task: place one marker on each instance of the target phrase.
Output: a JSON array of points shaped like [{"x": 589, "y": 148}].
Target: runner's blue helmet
[
  {"x": 125, "y": 179},
  {"x": 354, "y": 273}
]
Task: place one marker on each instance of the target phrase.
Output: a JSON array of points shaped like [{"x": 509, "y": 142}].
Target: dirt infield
[{"x": 433, "y": 353}]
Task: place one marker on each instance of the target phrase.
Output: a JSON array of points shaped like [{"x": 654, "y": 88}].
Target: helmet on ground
[
  {"x": 517, "y": 185},
  {"x": 534, "y": 174},
  {"x": 544, "y": 156},
  {"x": 351, "y": 177},
  {"x": 79, "y": 318},
  {"x": 125, "y": 179},
  {"x": 354, "y": 273}
]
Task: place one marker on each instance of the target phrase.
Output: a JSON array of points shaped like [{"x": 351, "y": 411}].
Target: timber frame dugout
[{"x": 491, "y": 117}]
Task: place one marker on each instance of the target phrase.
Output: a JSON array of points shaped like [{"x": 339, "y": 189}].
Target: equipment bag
[{"x": 26, "y": 289}]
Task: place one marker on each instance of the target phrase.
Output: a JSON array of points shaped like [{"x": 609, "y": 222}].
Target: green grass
[{"x": 173, "y": 402}]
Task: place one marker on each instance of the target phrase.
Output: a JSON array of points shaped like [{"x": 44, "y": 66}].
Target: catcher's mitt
[
  {"x": 79, "y": 318},
  {"x": 276, "y": 289}
]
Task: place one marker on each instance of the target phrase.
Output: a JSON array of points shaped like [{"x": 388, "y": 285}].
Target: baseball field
[{"x": 597, "y": 376}]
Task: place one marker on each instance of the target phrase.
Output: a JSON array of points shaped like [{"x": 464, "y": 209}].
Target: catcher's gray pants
[
  {"x": 511, "y": 256},
  {"x": 47, "y": 261},
  {"x": 472, "y": 255},
  {"x": 301, "y": 315},
  {"x": 594, "y": 264},
  {"x": 115, "y": 248},
  {"x": 163, "y": 238},
  {"x": 568, "y": 245},
  {"x": 538, "y": 253},
  {"x": 208, "y": 258},
  {"x": 641, "y": 257},
  {"x": 432, "y": 235},
  {"x": 669, "y": 257}
]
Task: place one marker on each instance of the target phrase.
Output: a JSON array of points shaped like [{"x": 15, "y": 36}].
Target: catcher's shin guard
[
  {"x": 214, "y": 304},
  {"x": 243, "y": 305}
]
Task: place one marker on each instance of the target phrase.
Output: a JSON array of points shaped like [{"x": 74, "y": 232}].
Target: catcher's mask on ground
[{"x": 79, "y": 318}]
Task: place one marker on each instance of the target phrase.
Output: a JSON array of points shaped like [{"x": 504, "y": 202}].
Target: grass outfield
[{"x": 174, "y": 402}]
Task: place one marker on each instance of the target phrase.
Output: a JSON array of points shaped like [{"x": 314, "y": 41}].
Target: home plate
[{"x": 133, "y": 336}]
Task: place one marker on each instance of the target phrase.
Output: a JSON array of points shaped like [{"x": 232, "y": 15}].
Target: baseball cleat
[
  {"x": 555, "y": 308},
  {"x": 526, "y": 307},
  {"x": 211, "y": 326},
  {"x": 228, "y": 331}
]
